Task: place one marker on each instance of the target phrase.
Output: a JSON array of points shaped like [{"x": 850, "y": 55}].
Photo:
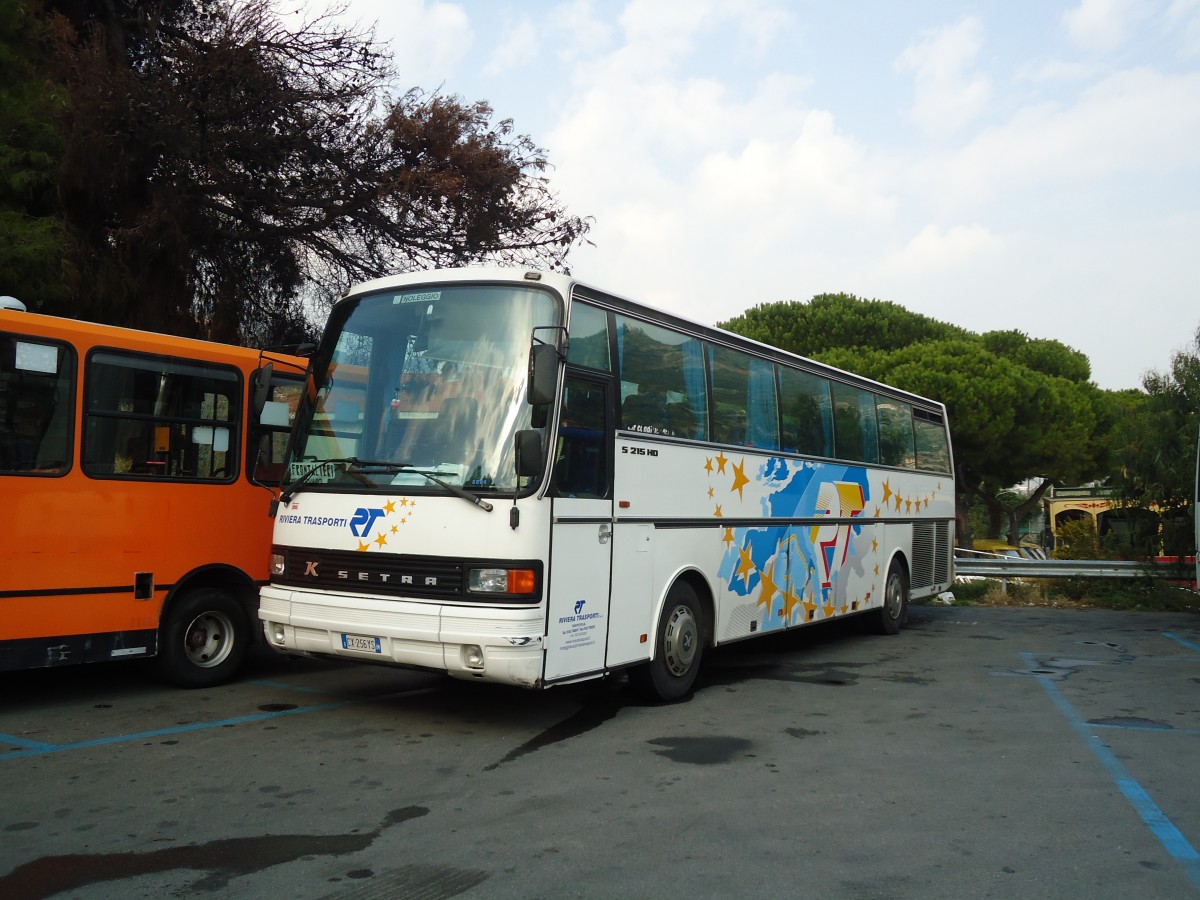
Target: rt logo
[
  {"x": 360, "y": 524},
  {"x": 579, "y": 606}
]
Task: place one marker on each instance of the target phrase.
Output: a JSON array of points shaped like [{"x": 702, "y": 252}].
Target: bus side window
[
  {"x": 160, "y": 417},
  {"x": 807, "y": 413},
  {"x": 581, "y": 464},
  {"x": 269, "y": 436},
  {"x": 662, "y": 380},
  {"x": 36, "y": 395},
  {"x": 37, "y": 387}
]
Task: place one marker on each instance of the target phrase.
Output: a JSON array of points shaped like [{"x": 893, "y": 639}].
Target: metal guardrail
[{"x": 1010, "y": 567}]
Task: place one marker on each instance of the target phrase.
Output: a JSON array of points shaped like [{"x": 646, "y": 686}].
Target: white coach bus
[{"x": 513, "y": 477}]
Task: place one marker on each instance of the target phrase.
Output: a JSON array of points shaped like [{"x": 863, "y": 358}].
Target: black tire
[
  {"x": 203, "y": 639},
  {"x": 678, "y": 647},
  {"x": 889, "y": 618}
]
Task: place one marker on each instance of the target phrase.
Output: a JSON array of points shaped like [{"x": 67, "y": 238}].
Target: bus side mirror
[
  {"x": 543, "y": 374},
  {"x": 262, "y": 388},
  {"x": 529, "y": 453}
]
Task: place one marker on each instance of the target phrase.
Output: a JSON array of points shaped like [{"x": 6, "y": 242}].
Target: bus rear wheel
[
  {"x": 678, "y": 647},
  {"x": 894, "y": 612},
  {"x": 203, "y": 639}
]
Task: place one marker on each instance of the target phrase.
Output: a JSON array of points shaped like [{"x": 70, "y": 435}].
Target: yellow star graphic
[
  {"x": 908, "y": 506},
  {"x": 382, "y": 539},
  {"x": 790, "y": 599},
  {"x": 887, "y": 492},
  {"x": 809, "y": 608},
  {"x": 898, "y": 502},
  {"x": 362, "y": 548},
  {"x": 710, "y": 493},
  {"x": 389, "y": 507},
  {"x": 708, "y": 465},
  {"x": 718, "y": 513},
  {"x": 746, "y": 566},
  {"x": 396, "y": 528},
  {"x": 874, "y": 545},
  {"x": 729, "y": 538},
  {"x": 739, "y": 478},
  {"x": 769, "y": 588},
  {"x": 721, "y": 460},
  {"x": 403, "y": 501}
]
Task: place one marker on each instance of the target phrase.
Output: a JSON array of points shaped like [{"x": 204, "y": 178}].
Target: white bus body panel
[
  {"x": 417, "y": 632},
  {"x": 779, "y": 542}
]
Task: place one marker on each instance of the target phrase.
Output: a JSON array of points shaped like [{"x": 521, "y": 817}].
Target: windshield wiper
[
  {"x": 394, "y": 467},
  {"x": 378, "y": 464}
]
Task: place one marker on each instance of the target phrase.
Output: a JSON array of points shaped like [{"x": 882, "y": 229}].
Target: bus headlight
[
  {"x": 502, "y": 581},
  {"x": 278, "y": 564},
  {"x": 473, "y": 656}
]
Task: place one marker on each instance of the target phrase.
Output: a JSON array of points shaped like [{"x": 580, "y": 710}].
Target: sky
[{"x": 1019, "y": 164}]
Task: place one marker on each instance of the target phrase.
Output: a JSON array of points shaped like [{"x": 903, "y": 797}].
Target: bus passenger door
[{"x": 581, "y": 539}]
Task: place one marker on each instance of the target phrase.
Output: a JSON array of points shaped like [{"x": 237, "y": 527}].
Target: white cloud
[
  {"x": 947, "y": 94},
  {"x": 1182, "y": 21},
  {"x": 1101, "y": 26},
  {"x": 577, "y": 30},
  {"x": 1137, "y": 122},
  {"x": 428, "y": 39},
  {"x": 935, "y": 250},
  {"x": 517, "y": 46}
]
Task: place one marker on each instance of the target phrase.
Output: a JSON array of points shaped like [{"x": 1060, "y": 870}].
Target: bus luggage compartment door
[{"x": 580, "y": 563}]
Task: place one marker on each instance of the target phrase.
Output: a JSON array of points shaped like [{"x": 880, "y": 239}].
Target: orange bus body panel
[{"x": 87, "y": 555}]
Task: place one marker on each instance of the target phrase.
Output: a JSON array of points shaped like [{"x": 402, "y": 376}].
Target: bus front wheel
[
  {"x": 677, "y": 650},
  {"x": 203, "y": 639},
  {"x": 889, "y": 617}
]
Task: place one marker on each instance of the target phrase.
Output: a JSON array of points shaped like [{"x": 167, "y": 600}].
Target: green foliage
[
  {"x": 1129, "y": 594},
  {"x": 832, "y": 321},
  {"x": 1078, "y": 539},
  {"x": 1156, "y": 438},
  {"x": 32, "y": 238}
]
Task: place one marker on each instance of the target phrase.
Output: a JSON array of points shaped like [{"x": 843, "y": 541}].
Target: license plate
[{"x": 361, "y": 642}]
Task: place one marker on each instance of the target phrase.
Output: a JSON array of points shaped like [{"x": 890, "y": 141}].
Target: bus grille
[
  {"x": 375, "y": 573},
  {"x": 930, "y": 554}
]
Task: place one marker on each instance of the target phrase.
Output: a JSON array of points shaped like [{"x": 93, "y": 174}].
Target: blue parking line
[
  {"x": 22, "y": 742},
  {"x": 1151, "y": 814},
  {"x": 33, "y": 748},
  {"x": 39, "y": 748},
  {"x": 1179, "y": 640}
]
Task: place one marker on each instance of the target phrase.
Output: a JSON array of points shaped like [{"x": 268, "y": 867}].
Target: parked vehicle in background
[
  {"x": 514, "y": 477},
  {"x": 135, "y": 470}
]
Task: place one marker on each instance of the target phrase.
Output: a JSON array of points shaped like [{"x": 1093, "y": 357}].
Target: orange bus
[{"x": 136, "y": 472}]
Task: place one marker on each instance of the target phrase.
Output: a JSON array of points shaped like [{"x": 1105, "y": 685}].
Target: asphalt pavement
[{"x": 983, "y": 752}]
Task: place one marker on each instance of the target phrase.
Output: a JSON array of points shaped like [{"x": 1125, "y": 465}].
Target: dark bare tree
[{"x": 222, "y": 164}]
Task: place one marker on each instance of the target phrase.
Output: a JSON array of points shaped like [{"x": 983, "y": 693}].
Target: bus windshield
[{"x": 430, "y": 381}]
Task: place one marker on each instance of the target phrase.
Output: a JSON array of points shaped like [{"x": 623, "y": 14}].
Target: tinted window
[
  {"x": 895, "y": 433},
  {"x": 37, "y": 387},
  {"x": 589, "y": 337},
  {"x": 933, "y": 444},
  {"x": 157, "y": 417},
  {"x": 662, "y": 380},
  {"x": 856, "y": 434},
  {"x": 743, "y": 399},
  {"x": 806, "y": 413}
]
